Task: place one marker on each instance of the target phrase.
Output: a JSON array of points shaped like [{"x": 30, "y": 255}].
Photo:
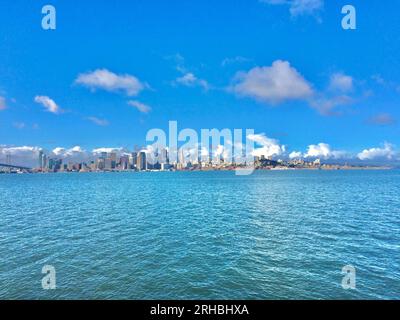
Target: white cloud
[
  {"x": 341, "y": 82},
  {"x": 3, "y": 105},
  {"x": 24, "y": 156},
  {"x": 109, "y": 81},
  {"x": 48, "y": 103},
  {"x": 335, "y": 95},
  {"x": 143, "y": 108},
  {"x": 58, "y": 151},
  {"x": 224, "y": 152},
  {"x": 326, "y": 105},
  {"x": 179, "y": 61},
  {"x": 269, "y": 147},
  {"x": 304, "y": 7},
  {"x": 107, "y": 150},
  {"x": 75, "y": 152},
  {"x": 274, "y": 84},
  {"x": 281, "y": 82},
  {"x": 323, "y": 150},
  {"x": 16, "y": 151},
  {"x": 187, "y": 78},
  {"x": 99, "y": 122},
  {"x": 190, "y": 80},
  {"x": 295, "y": 155},
  {"x": 28, "y": 155},
  {"x": 385, "y": 152},
  {"x": 299, "y": 7}
]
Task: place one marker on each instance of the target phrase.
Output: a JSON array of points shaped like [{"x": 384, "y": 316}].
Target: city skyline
[
  {"x": 164, "y": 160},
  {"x": 314, "y": 90},
  {"x": 161, "y": 158}
]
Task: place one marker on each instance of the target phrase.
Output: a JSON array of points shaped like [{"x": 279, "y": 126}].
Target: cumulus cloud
[
  {"x": 386, "y": 152},
  {"x": 48, "y": 103},
  {"x": 281, "y": 82},
  {"x": 3, "y": 105},
  {"x": 29, "y": 155},
  {"x": 274, "y": 84},
  {"x": 190, "y": 80},
  {"x": 109, "y": 81},
  {"x": 15, "y": 151},
  {"x": 107, "y": 150},
  {"x": 99, "y": 122},
  {"x": 76, "y": 149},
  {"x": 222, "y": 151},
  {"x": 295, "y": 155},
  {"x": 269, "y": 147},
  {"x": 76, "y": 153},
  {"x": 24, "y": 156},
  {"x": 58, "y": 151},
  {"x": 299, "y": 7},
  {"x": 143, "y": 108},
  {"x": 341, "y": 82},
  {"x": 324, "y": 151}
]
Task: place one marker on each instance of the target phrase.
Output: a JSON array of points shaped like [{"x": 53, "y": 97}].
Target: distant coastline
[
  {"x": 140, "y": 161},
  {"x": 322, "y": 168}
]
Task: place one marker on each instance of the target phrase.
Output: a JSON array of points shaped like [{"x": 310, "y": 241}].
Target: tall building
[
  {"x": 108, "y": 164},
  {"x": 113, "y": 158},
  {"x": 164, "y": 156},
  {"x": 41, "y": 154},
  {"x": 133, "y": 160},
  {"x": 100, "y": 164},
  {"x": 54, "y": 164},
  {"x": 124, "y": 162},
  {"x": 141, "y": 161},
  {"x": 42, "y": 161},
  {"x": 103, "y": 155}
]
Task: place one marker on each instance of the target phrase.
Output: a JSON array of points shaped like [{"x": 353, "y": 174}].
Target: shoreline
[{"x": 347, "y": 168}]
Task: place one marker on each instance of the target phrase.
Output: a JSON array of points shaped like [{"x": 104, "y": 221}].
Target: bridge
[{"x": 10, "y": 167}]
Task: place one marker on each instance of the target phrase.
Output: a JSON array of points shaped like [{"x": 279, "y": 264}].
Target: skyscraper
[
  {"x": 141, "y": 161},
  {"x": 113, "y": 158},
  {"x": 164, "y": 156},
  {"x": 133, "y": 160},
  {"x": 41, "y": 159},
  {"x": 124, "y": 162}
]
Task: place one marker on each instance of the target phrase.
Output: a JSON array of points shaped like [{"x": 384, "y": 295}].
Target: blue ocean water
[{"x": 201, "y": 235}]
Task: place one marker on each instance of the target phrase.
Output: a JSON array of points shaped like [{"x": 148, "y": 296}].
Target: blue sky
[{"x": 116, "y": 69}]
